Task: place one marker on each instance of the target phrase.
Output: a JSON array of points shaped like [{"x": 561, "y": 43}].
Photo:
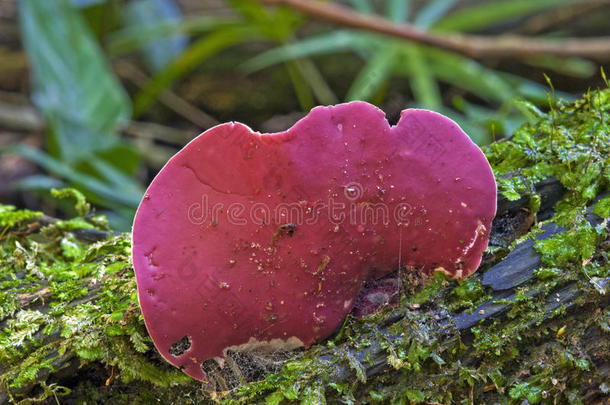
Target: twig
[{"x": 474, "y": 46}]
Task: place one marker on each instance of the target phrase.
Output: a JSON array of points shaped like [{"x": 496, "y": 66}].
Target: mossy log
[{"x": 533, "y": 324}]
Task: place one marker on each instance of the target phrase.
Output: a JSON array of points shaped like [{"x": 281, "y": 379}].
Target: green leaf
[
  {"x": 86, "y": 3},
  {"x": 39, "y": 182},
  {"x": 499, "y": 122},
  {"x": 161, "y": 51},
  {"x": 133, "y": 37},
  {"x": 302, "y": 90},
  {"x": 277, "y": 25},
  {"x": 530, "y": 90},
  {"x": 432, "y": 11},
  {"x": 362, "y": 6},
  {"x": 320, "y": 88},
  {"x": 73, "y": 84},
  {"x": 332, "y": 42},
  {"x": 529, "y": 110},
  {"x": 547, "y": 273},
  {"x": 602, "y": 208},
  {"x": 469, "y": 75},
  {"x": 490, "y": 13},
  {"x": 96, "y": 190},
  {"x": 575, "y": 67},
  {"x": 508, "y": 189},
  {"x": 374, "y": 73},
  {"x": 398, "y": 10},
  {"x": 121, "y": 155},
  {"x": 274, "y": 398},
  {"x": 196, "y": 54},
  {"x": 83, "y": 104},
  {"x": 423, "y": 83}
]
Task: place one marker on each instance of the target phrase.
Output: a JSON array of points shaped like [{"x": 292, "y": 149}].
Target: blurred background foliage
[{"x": 118, "y": 86}]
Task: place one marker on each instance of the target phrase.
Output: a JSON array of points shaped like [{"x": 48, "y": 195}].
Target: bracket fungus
[{"x": 246, "y": 238}]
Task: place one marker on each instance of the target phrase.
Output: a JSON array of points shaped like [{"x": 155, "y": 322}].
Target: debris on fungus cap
[{"x": 246, "y": 238}]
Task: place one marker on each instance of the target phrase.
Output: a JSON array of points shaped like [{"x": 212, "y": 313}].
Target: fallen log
[{"x": 531, "y": 325}]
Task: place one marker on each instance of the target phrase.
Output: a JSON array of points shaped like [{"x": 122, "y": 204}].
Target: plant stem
[{"x": 474, "y": 46}]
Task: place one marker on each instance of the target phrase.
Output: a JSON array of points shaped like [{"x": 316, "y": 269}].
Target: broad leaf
[{"x": 73, "y": 85}]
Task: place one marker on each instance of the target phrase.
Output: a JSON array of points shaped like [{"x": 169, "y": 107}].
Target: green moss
[
  {"x": 571, "y": 144},
  {"x": 602, "y": 208},
  {"x": 572, "y": 247},
  {"x": 81, "y": 205},
  {"x": 467, "y": 295},
  {"x": 89, "y": 295},
  {"x": 10, "y": 217}
]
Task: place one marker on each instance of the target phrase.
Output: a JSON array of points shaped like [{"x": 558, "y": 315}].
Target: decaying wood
[{"x": 503, "y": 277}]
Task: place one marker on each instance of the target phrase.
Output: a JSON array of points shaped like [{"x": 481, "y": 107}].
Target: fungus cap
[{"x": 246, "y": 237}]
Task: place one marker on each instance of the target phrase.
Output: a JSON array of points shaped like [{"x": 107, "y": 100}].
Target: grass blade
[
  {"x": 98, "y": 191},
  {"x": 432, "y": 12},
  {"x": 189, "y": 60},
  {"x": 469, "y": 75},
  {"x": 321, "y": 90},
  {"x": 301, "y": 89},
  {"x": 362, "y": 6},
  {"x": 374, "y": 73},
  {"x": 161, "y": 51},
  {"x": 334, "y": 41},
  {"x": 131, "y": 38},
  {"x": 490, "y": 13},
  {"x": 422, "y": 81},
  {"x": 398, "y": 10},
  {"x": 277, "y": 25},
  {"x": 574, "y": 67}
]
